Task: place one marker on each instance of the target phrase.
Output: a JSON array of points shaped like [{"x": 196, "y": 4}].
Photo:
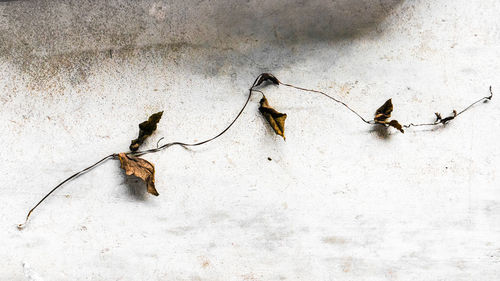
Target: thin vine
[{"x": 139, "y": 167}]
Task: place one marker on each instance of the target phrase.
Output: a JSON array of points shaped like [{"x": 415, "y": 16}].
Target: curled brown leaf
[
  {"x": 383, "y": 113},
  {"x": 438, "y": 117},
  {"x": 140, "y": 168},
  {"x": 267, "y": 77},
  {"x": 395, "y": 124},
  {"x": 441, "y": 120},
  {"x": 146, "y": 128},
  {"x": 274, "y": 118}
]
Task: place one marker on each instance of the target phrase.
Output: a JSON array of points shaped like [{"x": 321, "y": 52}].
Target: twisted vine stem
[{"x": 264, "y": 77}]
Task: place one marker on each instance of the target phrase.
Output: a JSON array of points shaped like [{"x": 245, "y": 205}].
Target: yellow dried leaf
[
  {"x": 140, "y": 168},
  {"x": 273, "y": 117}
]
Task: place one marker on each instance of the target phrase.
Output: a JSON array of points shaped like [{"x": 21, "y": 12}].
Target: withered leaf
[
  {"x": 447, "y": 119},
  {"x": 267, "y": 77},
  {"x": 438, "y": 117},
  {"x": 140, "y": 168},
  {"x": 395, "y": 124},
  {"x": 146, "y": 128},
  {"x": 383, "y": 113},
  {"x": 273, "y": 117}
]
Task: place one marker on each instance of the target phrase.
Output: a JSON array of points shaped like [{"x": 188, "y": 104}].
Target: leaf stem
[
  {"x": 75, "y": 175},
  {"x": 139, "y": 153},
  {"x": 167, "y": 145},
  {"x": 258, "y": 81},
  {"x": 330, "y": 97},
  {"x": 371, "y": 122},
  {"x": 455, "y": 115}
]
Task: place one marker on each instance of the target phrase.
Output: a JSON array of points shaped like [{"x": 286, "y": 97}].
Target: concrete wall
[{"x": 339, "y": 200}]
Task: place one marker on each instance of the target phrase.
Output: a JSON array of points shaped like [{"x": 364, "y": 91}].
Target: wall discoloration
[
  {"x": 55, "y": 44},
  {"x": 335, "y": 203}
]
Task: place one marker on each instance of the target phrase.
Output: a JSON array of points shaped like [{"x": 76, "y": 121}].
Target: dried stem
[
  {"x": 438, "y": 121},
  {"x": 167, "y": 145},
  {"x": 258, "y": 81},
  {"x": 139, "y": 153},
  {"x": 75, "y": 175},
  {"x": 332, "y": 98},
  {"x": 443, "y": 121}
]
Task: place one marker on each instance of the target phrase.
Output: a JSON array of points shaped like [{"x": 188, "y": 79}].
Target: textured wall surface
[{"x": 339, "y": 200}]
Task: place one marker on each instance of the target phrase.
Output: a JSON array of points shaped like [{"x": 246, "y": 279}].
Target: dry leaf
[
  {"x": 438, "y": 117},
  {"x": 275, "y": 118},
  {"x": 267, "y": 77},
  {"x": 395, "y": 124},
  {"x": 441, "y": 120},
  {"x": 383, "y": 113},
  {"x": 140, "y": 168},
  {"x": 146, "y": 128}
]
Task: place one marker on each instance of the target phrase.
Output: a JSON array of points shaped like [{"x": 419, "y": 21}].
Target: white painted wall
[{"x": 338, "y": 201}]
